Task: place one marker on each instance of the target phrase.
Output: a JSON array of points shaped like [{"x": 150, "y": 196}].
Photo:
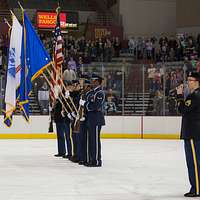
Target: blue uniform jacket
[{"x": 94, "y": 107}]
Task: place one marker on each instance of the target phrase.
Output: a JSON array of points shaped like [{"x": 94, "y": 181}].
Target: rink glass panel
[{"x": 131, "y": 89}]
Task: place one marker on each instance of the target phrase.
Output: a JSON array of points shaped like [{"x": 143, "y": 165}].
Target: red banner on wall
[{"x": 48, "y": 20}]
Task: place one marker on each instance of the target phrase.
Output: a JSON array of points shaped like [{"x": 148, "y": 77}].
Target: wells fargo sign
[{"x": 48, "y": 20}]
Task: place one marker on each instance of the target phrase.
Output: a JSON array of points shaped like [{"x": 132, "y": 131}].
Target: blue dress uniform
[
  {"x": 190, "y": 133},
  {"x": 84, "y": 152},
  {"x": 63, "y": 131},
  {"x": 95, "y": 120},
  {"x": 75, "y": 133}
]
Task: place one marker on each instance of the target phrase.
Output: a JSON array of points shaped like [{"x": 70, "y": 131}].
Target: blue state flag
[{"x": 34, "y": 60}]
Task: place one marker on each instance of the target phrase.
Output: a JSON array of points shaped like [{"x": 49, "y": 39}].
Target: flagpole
[
  {"x": 64, "y": 88},
  {"x": 6, "y": 21},
  {"x": 54, "y": 93},
  {"x": 62, "y": 85},
  {"x": 20, "y": 6}
]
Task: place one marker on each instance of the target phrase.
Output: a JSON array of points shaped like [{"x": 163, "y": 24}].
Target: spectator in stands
[
  {"x": 72, "y": 64},
  {"x": 151, "y": 76},
  {"x": 149, "y": 48},
  {"x": 139, "y": 53},
  {"x": 173, "y": 80},
  {"x": 116, "y": 46},
  {"x": 172, "y": 106},
  {"x": 132, "y": 45},
  {"x": 157, "y": 80},
  {"x": 82, "y": 45},
  {"x": 167, "y": 84},
  {"x": 118, "y": 80},
  {"x": 113, "y": 96},
  {"x": 108, "y": 51},
  {"x": 158, "y": 103},
  {"x": 179, "y": 75},
  {"x": 92, "y": 51},
  {"x": 110, "y": 107},
  {"x": 69, "y": 74},
  {"x": 164, "y": 51},
  {"x": 43, "y": 98},
  {"x": 109, "y": 81},
  {"x": 100, "y": 49},
  {"x": 70, "y": 42}
]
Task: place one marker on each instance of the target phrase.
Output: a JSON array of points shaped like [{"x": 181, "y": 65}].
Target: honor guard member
[
  {"x": 75, "y": 94},
  {"x": 83, "y": 136},
  {"x": 60, "y": 123},
  {"x": 190, "y": 130},
  {"x": 95, "y": 120},
  {"x": 68, "y": 120}
]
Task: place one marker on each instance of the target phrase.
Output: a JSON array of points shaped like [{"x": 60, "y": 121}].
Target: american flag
[
  {"x": 58, "y": 54},
  {"x": 58, "y": 41}
]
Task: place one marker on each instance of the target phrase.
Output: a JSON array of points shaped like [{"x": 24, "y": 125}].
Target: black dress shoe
[
  {"x": 67, "y": 156},
  {"x": 59, "y": 155},
  {"x": 74, "y": 159},
  {"x": 93, "y": 164},
  {"x": 191, "y": 194},
  {"x": 81, "y": 162}
]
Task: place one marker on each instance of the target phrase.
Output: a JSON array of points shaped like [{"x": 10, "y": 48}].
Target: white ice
[{"x": 132, "y": 170}]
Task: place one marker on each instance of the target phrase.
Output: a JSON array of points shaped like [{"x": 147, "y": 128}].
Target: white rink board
[
  {"x": 114, "y": 125},
  {"x": 38, "y": 124},
  {"x": 161, "y": 125},
  {"x": 120, "y": 125}
]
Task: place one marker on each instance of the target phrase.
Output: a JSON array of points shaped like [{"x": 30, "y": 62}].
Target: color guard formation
[{"x": 78, "y": 114}]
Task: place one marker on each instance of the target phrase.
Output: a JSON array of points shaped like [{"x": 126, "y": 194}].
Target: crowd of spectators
[
  {"x": 174, "y": 48},
  {"x": 99, "y": 50},
  {"x": 80, "y": 51},
  {"x": 161, "y": 84}
]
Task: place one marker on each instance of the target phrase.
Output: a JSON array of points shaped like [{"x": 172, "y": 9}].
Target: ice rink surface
[{"x": 132, "y": 170}]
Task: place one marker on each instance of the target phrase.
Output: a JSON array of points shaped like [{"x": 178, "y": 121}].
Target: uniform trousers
[
  {"x": 64, "y": 134},
  {"x": 94, "y": 145},
  {"x": 192, "y": 154}
]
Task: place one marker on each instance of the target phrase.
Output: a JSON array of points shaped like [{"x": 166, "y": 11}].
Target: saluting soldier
[
  {"x": 95, "y": 120},
  {"x": 190, "y": 130}
]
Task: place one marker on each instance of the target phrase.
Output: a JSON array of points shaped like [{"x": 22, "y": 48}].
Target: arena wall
[
  {"x": 116, "y": 127},
  {"x": 188, "y": 13},
  {"x": 148, "y": 17}
]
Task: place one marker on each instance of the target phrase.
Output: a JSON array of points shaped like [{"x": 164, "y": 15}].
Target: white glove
[
  {"x": 69, "y": 116},
  {"x": 73, "y": 114},
  {"x": 67, "y": 94},
  {"x": 82, "y": 102},
  {"x": 77, "y": 117},
  {"x": 50, "y": 108},
  {"x": 63, "y": 113},
  {"x": 82, "y": 119}
]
